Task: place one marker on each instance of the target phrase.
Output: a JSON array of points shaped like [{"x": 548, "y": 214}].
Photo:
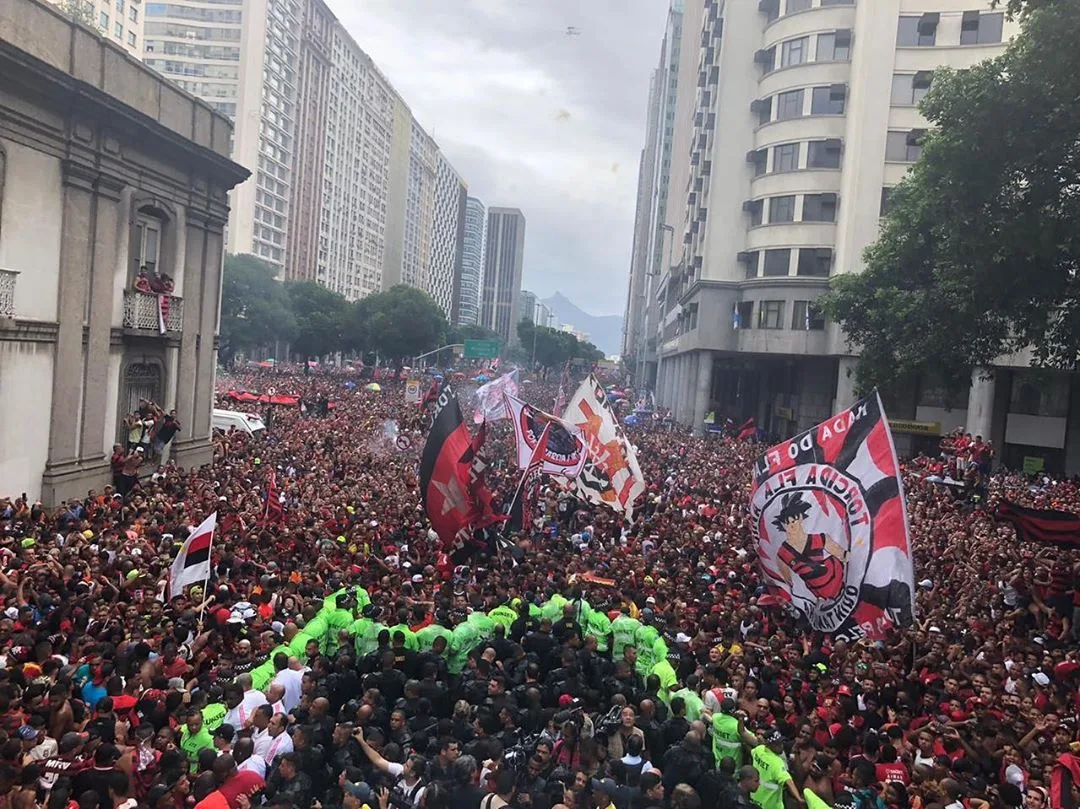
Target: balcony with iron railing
[{"x": 145, "y": 312}]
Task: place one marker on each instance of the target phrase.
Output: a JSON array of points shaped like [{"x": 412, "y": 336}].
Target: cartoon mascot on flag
[{"x": 815, "y": 558}]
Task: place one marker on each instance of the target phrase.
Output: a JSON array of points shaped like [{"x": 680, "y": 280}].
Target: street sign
[
  {"x": 412, "y": 391},
  {"x": 481, "y": 349}
]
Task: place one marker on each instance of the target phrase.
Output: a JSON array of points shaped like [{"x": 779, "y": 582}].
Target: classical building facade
[{"x": 105, "y": 169}]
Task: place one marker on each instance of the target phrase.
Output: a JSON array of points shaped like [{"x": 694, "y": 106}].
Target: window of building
[
  {"x": 823, "y": 154},
  {"x": 133, "y": 14},
  {"x": 819, "y": 208},
  {"x": 834, "y": 47},
  {"x": 131, "y": 38},
  {"x": 886, "y": 193},
  {"x": 750, "y": 260},
  {"x": 837, "y": 2},
  {"x": 118, "y": 30},
  {"x": 917, "y": 31},
  {"x": 797, "y": 5},
  {"x": 777, "y": 263},
  {"x": 908, "y": 89},
  {"x": 806, "y": 317},
  {"x": 754, "y": 207},
  {"x": 147, "y": 246},
  {"x": 786, "y": 157},
  {"x": 120, "y": 6},
  {"x": 794, "y": 52},
  {"x": 758, "y": 158},
  {"x": 744, "y": 314},
  {"x": 903, "y": 147},
  {"x": 770, "y": 8},
  {"x": 103, "y": 21},
  {"x": 815, "y": 262},
  {"x": 789, "y": 105},
  {"x": 782, "y": 209},
  {"x": 762, "y": 107},
  {"x": 831, "y": 100},
  {"x": 771, "y": 315},
  {"x": 978, "y": 28}
]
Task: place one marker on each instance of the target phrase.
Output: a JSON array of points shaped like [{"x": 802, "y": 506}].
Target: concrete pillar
[
  {"x": 211, "y": 292},
  {"x": 686, "y": 396},
  {"x": 101, "y": 289},
  {"x": 703, "y": 391},
  {"x": 194, "y": 237},
  {"x": 845, "y": 385},
  {"x": 980, "y": 412},
  {"x": 682, "y": 374}
]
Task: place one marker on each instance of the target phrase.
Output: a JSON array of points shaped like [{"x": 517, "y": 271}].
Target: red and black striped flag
[
  {"x": 192, "y": 564},
  {"x": 274, "y": 512},
  {"x": 444, "y": 470},
  {"x": 1041, "y": 525},
  {"x": 523, "y": 506}
]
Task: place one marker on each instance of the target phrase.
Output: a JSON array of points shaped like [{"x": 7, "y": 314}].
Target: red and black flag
[
  {"x": 192, "y": 563},
  {"x": 523, "y": 506},
  {"x": 827, "y": 508},
  {"x": 274, "y": 513},
  {"x": 1041, "y": 525},
  {"x": 444, "y": 469},
  {"x": 747, "y": 430},
  {"x": 482, "y": 512},
  {"x": 432, "y": 395}
]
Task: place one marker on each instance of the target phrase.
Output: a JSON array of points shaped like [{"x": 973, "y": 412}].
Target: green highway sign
[{"x": 481, "y": 349}]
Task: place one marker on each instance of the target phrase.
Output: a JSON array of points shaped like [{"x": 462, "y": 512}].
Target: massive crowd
[{"x": 504, "y": 680}]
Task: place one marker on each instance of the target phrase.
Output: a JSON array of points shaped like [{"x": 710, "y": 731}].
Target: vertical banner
[
  {"x": 827, "y": 510},
  {"x": 412, "y": 391}
]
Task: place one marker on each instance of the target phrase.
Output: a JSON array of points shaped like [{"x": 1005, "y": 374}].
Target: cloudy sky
[{"x": 532, "y": 118}]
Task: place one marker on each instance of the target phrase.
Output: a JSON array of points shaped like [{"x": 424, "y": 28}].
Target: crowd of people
[{"x": 528, "y": 678}]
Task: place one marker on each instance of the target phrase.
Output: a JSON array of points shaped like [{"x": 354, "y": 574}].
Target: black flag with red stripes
[
  {"x": 1041, "y": 525},
  {"x": 444, "y": 470}
]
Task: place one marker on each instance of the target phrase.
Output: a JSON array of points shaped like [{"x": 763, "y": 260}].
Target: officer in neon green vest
[
  {"x": 691, "y": 698},
  {"x": 623, "y": 632},
  {"x": 727, "y": 734},
  {"x": 768, "y": 760}
]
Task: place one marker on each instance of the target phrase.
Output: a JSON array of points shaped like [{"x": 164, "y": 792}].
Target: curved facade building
[
  {"x": 794, "y": 118},
  {"x": 472, "y": 263}
]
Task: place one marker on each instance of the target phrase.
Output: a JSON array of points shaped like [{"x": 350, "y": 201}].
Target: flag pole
[
  {"x": 525, "y": 473},
  {"x": 206, "y": 581}
]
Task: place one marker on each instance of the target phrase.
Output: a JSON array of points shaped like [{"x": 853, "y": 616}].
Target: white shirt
[
  {"x": 238, "y": 716},
  {"x": 270, "y": 747},
  {"x": 255, "y": 764},
  {"x": 291, "y": 681}
]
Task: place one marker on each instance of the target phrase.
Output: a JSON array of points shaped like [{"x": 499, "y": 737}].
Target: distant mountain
[{"x": 605, "y": 332}]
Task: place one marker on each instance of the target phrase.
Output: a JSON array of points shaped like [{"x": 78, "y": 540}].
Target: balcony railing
[
  {"x": 7, "y": 293},
  {"x": 144, "y": 311}
]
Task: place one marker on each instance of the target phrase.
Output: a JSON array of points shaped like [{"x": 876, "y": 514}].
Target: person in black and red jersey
[{"x": 815, "y": 558}]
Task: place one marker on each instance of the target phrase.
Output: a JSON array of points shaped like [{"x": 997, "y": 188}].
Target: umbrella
[
  {"x": 437, "y": 376},
  {"x": 630, "y": 420},
  {"x": 482, "y": 378},
  {"x": 350, "y": 384},
  {"x": 374, "y": 387}
]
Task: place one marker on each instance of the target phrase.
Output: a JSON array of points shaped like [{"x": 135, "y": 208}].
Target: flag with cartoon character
[{"x": 827, "y": 509}]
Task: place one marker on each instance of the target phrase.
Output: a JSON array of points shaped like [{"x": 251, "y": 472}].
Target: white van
[{"x": 244, "y": 422}]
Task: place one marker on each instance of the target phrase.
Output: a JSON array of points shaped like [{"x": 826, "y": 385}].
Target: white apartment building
[
  {"x": 352, "y": 238},
  {"x": 447, "y": 238},
  {"x": 343, "y": 186},
  {"x": 120, "y": 21},
  {"x": 793, "y": 120},
  {"x": 472, "y": 263}
]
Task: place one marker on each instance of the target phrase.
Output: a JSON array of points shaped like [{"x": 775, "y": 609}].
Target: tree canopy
[
  {"x": 554, "y": 347},
  {"x": 978, "y": 255},
  {"x": 255, "y": 311},
  {"x": 400, "y": 323},
  {"x": 320, "y": 318}
]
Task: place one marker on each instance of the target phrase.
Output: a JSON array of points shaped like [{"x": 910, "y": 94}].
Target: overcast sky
[{"x": 532, "y": 118}]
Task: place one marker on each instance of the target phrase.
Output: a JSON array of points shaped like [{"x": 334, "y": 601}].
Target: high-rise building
[
  {"x": 503, "y": 262},
  {"x": 792, "y": 120},
  {"x": 472, "y": 263},
  {"x": 360, "y": 124},
  {"x": 527, "y": 303},
  {"x": 119, "y": 21},
  {"x": 344, "y": 179},
  {"x": 447, "y": 238}
]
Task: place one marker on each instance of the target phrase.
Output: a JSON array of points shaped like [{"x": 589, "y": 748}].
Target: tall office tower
[
  {"x": 198, "y": 46},
  {"x": 503, "y": 262},
  {"x": 119, "y": 21},
  {"x": 797, "y": 118},
  {"x": 472, "y": 263},
  {"x": 355, "y": 193},
  {"x": 419, "y": 208},
  {"x": 447, "y": 238},
  {"x": 653, "y": 243},
  {"x": 527, "y": 303}
]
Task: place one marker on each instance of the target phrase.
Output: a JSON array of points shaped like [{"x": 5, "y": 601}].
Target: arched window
[
  {"x": 142, "y": 381},
  {"x": 146, "y": 248}
]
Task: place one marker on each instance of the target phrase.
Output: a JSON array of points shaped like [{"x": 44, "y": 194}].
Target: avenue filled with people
[{"x": 339, "y": 656}]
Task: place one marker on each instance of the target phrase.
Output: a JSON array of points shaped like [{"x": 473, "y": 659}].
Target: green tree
[
  {"x": 80, "y": 11},
  {"x": 553, "y": 346},
  {"x": 399, "y": 323},
  {"x": 320, "y": 318},
  {"x": 979, "y": 255},
  {"x": 255, "y": 310}
]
